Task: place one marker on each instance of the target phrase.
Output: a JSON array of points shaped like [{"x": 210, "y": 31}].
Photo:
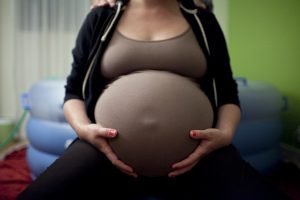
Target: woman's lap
[{"x": 82, "y": 171}]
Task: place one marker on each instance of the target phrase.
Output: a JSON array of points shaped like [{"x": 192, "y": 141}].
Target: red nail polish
[
  {"x": 172, "y": 176},
  {"x": 194, "y": 134},
  {"x": 112, "y": 133}
]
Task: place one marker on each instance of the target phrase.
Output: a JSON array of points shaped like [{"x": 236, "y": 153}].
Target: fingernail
[
  {"x": 171, "y": 175},
  {"x": 194, "y": 133},
  {"x": 112, "y": 133},
  {"x": 135, "y": 176}
]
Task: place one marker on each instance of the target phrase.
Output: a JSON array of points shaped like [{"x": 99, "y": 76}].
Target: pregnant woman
[{"x": 151, "y": 47}]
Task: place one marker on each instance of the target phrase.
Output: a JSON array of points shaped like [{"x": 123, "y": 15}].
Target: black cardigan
[{"x": 89, "y": 45}]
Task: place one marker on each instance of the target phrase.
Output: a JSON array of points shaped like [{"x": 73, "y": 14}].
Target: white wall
[
  {"x": 221, "y": 10},
  {"x": 30, "y": 50},
  {"x": 7, "y": 59}
]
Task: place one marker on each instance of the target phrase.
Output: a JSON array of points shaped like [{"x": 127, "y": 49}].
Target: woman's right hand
[{"x": 98, "y": 137}]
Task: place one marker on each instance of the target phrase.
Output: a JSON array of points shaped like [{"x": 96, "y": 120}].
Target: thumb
[
  {"x": 200, "y": 134},
  {"x": 107, "y": 132}
]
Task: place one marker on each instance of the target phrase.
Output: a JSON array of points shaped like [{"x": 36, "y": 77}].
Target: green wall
[{"x": 264, "y": 44}]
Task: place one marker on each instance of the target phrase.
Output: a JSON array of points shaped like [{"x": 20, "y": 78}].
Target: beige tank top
[
  {"x": 181, "y": 54},
  {"x": 153, "y": 101}
]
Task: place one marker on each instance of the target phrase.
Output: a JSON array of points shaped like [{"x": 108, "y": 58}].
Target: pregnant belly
[{"x": 153, "y": 112}]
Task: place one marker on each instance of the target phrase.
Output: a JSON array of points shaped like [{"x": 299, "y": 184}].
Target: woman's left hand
[{"x": 210, "y": 140}]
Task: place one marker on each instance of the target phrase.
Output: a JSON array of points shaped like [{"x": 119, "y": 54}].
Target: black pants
[{"x": 83, "y": 172}]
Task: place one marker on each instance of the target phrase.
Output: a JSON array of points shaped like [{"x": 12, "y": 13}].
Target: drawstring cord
[
  {"x": 194, "y": 12},
  {"x": 103, "y": 38},
  {"x": 119, "y": 6}
]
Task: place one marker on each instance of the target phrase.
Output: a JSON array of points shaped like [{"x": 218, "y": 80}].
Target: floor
[
  {"x": 287, "y": 178},
  {"x": 287, "y": 175}
]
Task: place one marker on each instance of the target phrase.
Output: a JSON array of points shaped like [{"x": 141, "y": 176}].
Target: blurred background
[{"x": 36, "y": 39}]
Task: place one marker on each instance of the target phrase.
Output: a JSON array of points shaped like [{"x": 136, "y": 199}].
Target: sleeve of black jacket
[
  {"x": 227, "y": 90},
  {"x": 80, "y": 53}
]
